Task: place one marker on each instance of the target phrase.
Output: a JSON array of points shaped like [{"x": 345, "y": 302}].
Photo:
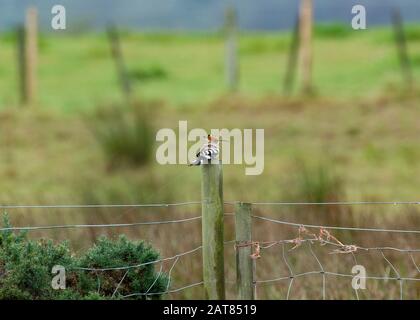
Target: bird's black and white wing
[{"x": 208, "y": 152}]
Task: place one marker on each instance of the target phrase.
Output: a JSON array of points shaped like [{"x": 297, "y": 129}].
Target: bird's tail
[{"x": 196, "y": 162}]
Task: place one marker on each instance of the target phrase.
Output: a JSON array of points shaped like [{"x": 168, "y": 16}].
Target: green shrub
[
  {"x": 25, "y": 265},
  {"x": 125, "y": 135},
  {"x": 122, "y": 252},
  {"x": 25, "y": 269}
]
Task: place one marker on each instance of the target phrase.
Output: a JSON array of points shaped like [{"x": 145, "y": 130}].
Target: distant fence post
[
  {"x": 212, "y": 231},
  {"x": 115, "y": 45},
  {"x": 30, "y": 56},
  {"x": 292, "y": 59},
  {"x": 305, "y": 30},
  {"x": 244, "y": 263},
  {"x": 20, "y": 39},
  {"x": 401, "y": 45},
  {"x": 232, "y": 66}
]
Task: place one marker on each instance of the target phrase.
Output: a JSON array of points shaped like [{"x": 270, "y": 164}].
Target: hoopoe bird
[{"x": 209, "y": 151}]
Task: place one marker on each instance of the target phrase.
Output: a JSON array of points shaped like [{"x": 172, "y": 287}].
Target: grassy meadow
[
  {"x": 357, "y": 139},
  {"x": 77, "y": 72}
]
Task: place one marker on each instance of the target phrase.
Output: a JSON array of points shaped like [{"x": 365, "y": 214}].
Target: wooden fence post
[
  {"x": 212, "y": 231},
  {"x": 115, "y": 44},
  {"x": 305, "y": 30},
  {"x": 20, "y": 42},
  {"x": 31, "y": 55},
  {"x": 292, "y": 60},
  {"x": 232, "y": 67},
  {"x": 244, "y": 262},
  {"x": 401, "y": 45}
]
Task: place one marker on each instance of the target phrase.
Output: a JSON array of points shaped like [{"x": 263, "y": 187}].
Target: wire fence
[
  {"x": 164, "y": 266},
  {"x": 310, "y": 238}
]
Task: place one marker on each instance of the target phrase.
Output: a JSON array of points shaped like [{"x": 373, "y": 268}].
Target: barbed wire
[
  {"x": 297, "y": 275},
  {"x": 175, "y": 259},
  {"x": 164, "y": 292},
  {"x": 339, "y": 203},
  {"x": 324, "y": 273},
  {"x": 187, "y": 203},
  {"x": 269, "y": 244},
  {"x": 125, "y": 268},
  {"x": 334, "y": 227},
  {"x": 87, "y": 206},
  {"x": 326, "y": 238},
  {"x": 139, "y": 265},
  {"x": 109, "y": 225}
]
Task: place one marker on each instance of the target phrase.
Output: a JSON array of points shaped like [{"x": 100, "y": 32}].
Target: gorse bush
[
  {"x": 125, "y": 135},
  {"x": 26, "y": 266},
  {"x": 107, "y": 253}
]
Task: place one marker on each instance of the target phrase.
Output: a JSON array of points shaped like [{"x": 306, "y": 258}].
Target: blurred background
[
  {"x": 200, "y": 15},
  {"x": 80, "y": 108}
]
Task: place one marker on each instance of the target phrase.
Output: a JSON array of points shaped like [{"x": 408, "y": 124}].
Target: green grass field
[
  {"x": 361, "y": 127},
  {"x": 361, "y": 123},
  {"x": 77, "y": 72}
]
